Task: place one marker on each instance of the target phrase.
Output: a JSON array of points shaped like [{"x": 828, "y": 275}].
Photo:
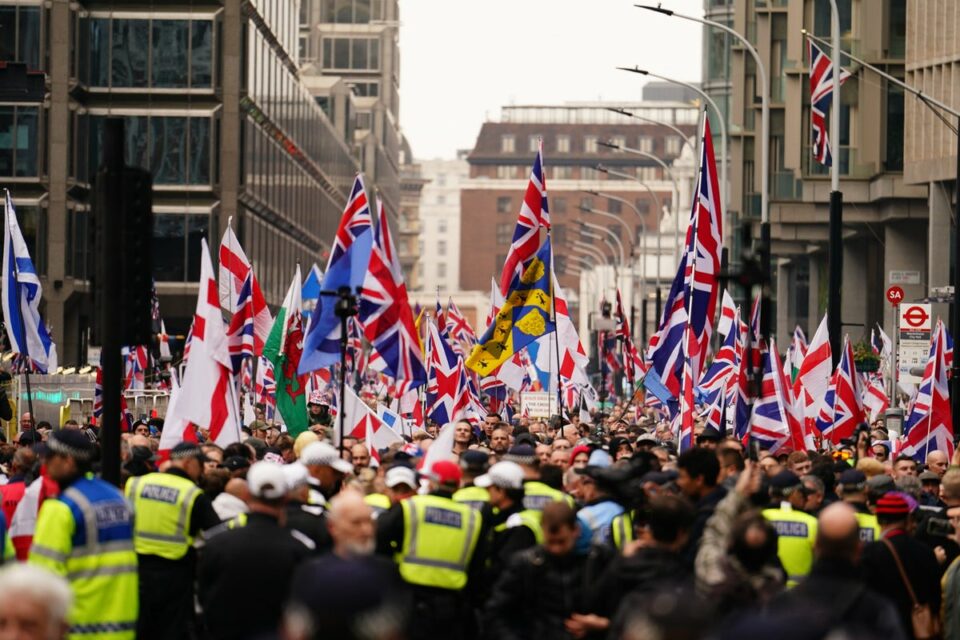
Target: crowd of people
[{"x": 523, "y": 529}]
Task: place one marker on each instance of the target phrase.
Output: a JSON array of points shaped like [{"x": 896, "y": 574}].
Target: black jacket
[
  {"x": 311, "y": 521},
  {"x": 499, "y": 546},
  {"x": 253, "y": 564},
  {"x": 880, "y": 572},
  {"x": 833, "y": 597},
  {"x": 537, "y": 592},
  {"x": 649, "y": 571},
  {"x": 705, "y": 508}
]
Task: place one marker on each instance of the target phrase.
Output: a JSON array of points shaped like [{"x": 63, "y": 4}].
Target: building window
[
  {"x": 441, "y": 199},
  {"x": 507, "y": 144},
  {"x": 442, "y": 226},
  {"x": 558, "y": 205},
  {"x": 504, "y": 234},
  {"x": 352, "y": 11},
  {"x": 614, "y": 206},
  {"x": 351, "y": 54},
  {"x": 505, "y": 171},
  {"x": 364, "y": 120},
  {"x": 563, "y": 144},
  {"x": 618, "y": 141},
  {"x": 590, "y": 144},
  {"x": 533, "y": 144},
  {"x": 441, "y": 248},
  {"x": 441, "y": 269},
  {"x": 562, "y": 173},
  {"x": 642, "y": 206},
  {"x": 503, "y": 204},
  {"x": 559, "y": 234},
  {"x": 441, "y": 180},
  {"x": 671, "y": 145},
  {"x": 645, "y": 143},
  {"x": 365, "y": 89},
  {"x": 648, "y": 173},
  {"x": 586, "y": 203},
  {"x": 176, "y": 246},
  {"x": 19, "y": 141},
  {"x": 20, "y": 39},
  {"x": 142, "y": 53},
  {"x": 176, "y": 149}
]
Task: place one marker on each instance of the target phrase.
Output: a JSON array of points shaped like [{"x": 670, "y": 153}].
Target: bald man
[
  {"x": 833, "y": 598},
  {"x": 938, "y": 462},
  {"x": 350, "y": 520}
]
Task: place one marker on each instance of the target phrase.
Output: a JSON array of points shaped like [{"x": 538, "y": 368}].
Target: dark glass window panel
[
  {"x": 25, "y": 141},
  {"x": 201, "y": 53},
  {"x": 170, "y": 39},
  {"x": 199, "y": 151},
  {"x": 343, "y": 12},
  {"x": 128, "y": 64},
  {"x": 28, "y": 37},
  {"x": 341, "y": 53},
  {"x": 169, "y": 245},
  {"x": 894, "y": 131},
  {"x": 359, "y": 60},
  {"x": 168, "y": 143},
  {"x": 29, "y": 221},
  {"x": 374, "y": 54},
  {"x": 94, "y": 142},
  {"x": 7, "y": 135},
  {"x": 8, "y": 33},
  {"x": 99, "y": 74},
  {"x": 137, "y": 149},
  {"x": 197, "y": 228},
  {"x": 361, "y": 11}
]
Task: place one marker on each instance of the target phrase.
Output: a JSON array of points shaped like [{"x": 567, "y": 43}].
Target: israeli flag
[
  {"x": 393, "y": 420},
  {"x": 21, "y": 297}
]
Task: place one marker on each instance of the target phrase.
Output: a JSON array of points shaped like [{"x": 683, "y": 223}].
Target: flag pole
[
  {"x": 556, "y": 329},
  {"x": 23, "y": 328}
]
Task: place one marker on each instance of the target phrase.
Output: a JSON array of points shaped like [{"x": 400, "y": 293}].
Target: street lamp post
[
  {"x": 764, "y": 149},
  {"x": 676, "y": 187},
  {"x": 724, "y": 141}
]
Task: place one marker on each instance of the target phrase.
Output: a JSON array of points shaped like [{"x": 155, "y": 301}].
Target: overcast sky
[{"x": 461, "y": 60}]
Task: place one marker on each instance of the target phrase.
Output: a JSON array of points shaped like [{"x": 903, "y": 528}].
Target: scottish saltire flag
[
  {"x": 534, "y": 214},
  {"x": 693, "y": 296},
  {"x": 310, "y": 291},
  {"x": 842, "y": 410},
  {"x": 929, "y": 427},
  {"x": 773, "y": 421},
  {"x": 234, "y": 269},
  {"x": 26, "y": 331},
  {"x": 821, "y": 95},
  {"x": 525, "y": 316},
  {"x": 240, "y": 333},
  {"x": 347, "y": 267}
]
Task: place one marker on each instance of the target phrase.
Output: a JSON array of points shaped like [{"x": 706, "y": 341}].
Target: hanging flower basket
[{"x": 865, "y": 359}]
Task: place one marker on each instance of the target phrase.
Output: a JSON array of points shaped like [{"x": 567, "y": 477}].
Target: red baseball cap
[{"x": 445, "y": 472}]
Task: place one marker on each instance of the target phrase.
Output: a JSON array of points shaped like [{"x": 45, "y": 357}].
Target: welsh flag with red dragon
[{"x": 284, "y": 348}]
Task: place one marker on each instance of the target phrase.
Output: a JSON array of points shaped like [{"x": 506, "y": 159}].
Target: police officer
[
  {"x": 170, "y": 510},
  {"x": 86, "y": 536},
  {"x": 796, "y": 530},
  {"x": 435, "y": 539},
  {"x": 853, "y": 490},
  {"x": 536, "y": 494},
  {"x": 473, "y": 464},
  {"x": 508, "y": 527}
]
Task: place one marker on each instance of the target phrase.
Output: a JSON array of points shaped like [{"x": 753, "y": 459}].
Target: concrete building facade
[
  {"x": 213, "y": 107},
  {"x": 885, "y": 214},
  {"x": 440, "y": 243}
]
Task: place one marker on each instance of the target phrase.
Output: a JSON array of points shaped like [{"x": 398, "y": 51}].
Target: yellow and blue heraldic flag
[{"x": 524, "y": 317}]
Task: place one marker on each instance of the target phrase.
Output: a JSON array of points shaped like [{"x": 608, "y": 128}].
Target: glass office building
[{"x": 213, "y": 107}]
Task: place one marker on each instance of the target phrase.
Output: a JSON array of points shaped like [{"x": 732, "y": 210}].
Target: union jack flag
[
  {"x": 929, "y": 427},
  {"x": 842, "y": 409},
  {"x": 448, "y": 396},
  {"x": 724, "y": 364},
  {"x": 774, "y": 420},
  {"x": 240, "y": 334},
  {"x": 534, "y": 214},
  {"x": 693, "y": 297},
  {"x": 821, "y": 95},
  {"x": 458, "y": 327},
  {"x": 136, "y": 362},
  {"x": 265, "y": 389}
]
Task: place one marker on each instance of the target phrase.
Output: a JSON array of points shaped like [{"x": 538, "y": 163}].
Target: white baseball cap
[
  {"x": 323, "y": 454},
  {"x": 296, "y": 475},
  {"x": 505, "y": 474},
  {"x": 267, "y": 480},
  {"x": 401, "y": 475}
]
